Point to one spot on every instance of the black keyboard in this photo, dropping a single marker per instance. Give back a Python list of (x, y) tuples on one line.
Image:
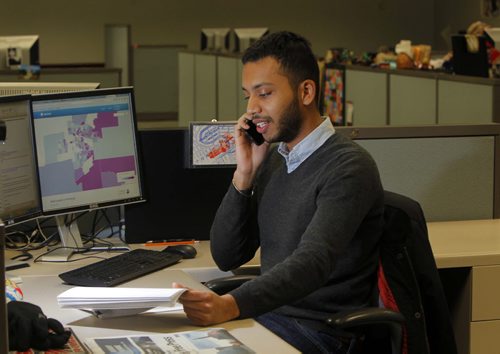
[(121, 268)]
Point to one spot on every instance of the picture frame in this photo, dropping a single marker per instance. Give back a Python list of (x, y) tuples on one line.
[(211, 144)]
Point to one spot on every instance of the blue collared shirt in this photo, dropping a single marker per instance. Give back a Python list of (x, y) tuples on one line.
[(307, 146)]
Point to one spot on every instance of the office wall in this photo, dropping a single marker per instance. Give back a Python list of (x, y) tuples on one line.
[(73, 31)]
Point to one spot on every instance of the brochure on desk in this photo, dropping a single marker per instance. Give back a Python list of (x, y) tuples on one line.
[(211, 340)]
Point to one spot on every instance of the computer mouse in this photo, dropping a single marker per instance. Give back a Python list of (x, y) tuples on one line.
[(186, 251)]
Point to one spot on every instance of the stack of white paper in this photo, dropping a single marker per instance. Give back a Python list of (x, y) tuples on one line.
[(97, 298)]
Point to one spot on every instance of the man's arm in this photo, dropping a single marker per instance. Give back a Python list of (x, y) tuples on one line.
[(234, 233)]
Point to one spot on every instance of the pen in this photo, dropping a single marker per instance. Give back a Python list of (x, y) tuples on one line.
[(153, 243)]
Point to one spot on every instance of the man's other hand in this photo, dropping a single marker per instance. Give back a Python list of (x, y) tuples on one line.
[(206, 308)]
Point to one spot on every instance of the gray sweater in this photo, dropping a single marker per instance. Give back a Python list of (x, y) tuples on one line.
[(318, 229)]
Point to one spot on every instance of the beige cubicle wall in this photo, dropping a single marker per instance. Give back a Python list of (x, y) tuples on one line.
[(453, 171), (414, 97), (107, 77), (155, 76), (209, 87)]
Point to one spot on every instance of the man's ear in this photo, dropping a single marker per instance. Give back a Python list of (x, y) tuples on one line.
[(307, 92)]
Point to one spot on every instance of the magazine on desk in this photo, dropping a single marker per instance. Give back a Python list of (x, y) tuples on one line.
[(210, 340)]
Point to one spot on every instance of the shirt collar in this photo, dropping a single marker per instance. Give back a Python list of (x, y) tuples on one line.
[(306, 146)]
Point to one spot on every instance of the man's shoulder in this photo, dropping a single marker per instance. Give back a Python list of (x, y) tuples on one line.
[(340, 146)]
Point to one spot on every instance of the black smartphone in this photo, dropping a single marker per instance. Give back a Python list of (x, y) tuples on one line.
[(253, 134)]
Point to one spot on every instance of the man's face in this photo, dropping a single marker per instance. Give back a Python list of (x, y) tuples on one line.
[(272, 102)]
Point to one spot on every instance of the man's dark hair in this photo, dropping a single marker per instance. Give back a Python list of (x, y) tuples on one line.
[(292, 51)]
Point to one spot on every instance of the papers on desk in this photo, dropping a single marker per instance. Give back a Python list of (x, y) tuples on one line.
[(211, 340), (113, 302)]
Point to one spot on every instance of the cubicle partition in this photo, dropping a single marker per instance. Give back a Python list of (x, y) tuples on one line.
[(453, 171), (181, 202)]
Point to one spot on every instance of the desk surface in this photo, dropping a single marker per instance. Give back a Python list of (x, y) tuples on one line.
[(41, 285), (202, 267), (454, 244)]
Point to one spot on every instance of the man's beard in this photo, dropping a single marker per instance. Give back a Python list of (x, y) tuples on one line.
[(290, 123)]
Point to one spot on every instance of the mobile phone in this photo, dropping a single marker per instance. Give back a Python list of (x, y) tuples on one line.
[(253, 134)]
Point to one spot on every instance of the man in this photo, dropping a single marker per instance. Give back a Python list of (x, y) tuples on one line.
[(313, 204)]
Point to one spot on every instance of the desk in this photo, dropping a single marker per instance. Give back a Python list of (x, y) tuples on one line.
[(41, 286), (468, 256)]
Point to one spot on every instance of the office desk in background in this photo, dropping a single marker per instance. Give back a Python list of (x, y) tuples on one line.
[(41, 285), (467, 254)]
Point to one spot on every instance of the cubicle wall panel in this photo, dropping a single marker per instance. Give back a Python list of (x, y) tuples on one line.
[(186, 88), (228, 91), (368, 93), (451, 177), (156, 75), (205, 89), (242, 103), (464, 103), (412, 100)]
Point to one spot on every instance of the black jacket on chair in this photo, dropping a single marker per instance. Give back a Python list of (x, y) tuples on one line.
[(410, 269)]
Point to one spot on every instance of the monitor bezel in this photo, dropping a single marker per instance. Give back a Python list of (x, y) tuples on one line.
[(30, 216), (90, 93)]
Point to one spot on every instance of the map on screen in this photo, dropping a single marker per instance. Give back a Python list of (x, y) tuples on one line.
[(85, 145)]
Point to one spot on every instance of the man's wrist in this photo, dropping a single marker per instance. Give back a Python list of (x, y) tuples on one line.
[(244, 192), (232, 309)]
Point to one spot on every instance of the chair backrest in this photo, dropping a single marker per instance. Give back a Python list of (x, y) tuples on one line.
[(411, 273)]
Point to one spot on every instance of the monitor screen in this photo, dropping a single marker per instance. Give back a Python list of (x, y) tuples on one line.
[(19, 50), (88, 156), (19, 191)]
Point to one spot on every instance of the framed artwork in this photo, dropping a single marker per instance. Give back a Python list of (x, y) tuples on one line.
[(334, 93)]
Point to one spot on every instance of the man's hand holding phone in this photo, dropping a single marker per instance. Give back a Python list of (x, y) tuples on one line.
[(249, 154)]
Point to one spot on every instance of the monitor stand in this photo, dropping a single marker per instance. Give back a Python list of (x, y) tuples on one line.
[(71, 241)]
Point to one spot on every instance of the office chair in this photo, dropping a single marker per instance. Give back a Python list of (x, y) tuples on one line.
[(416, 318)]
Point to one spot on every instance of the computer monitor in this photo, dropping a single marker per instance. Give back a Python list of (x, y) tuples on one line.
[(19, 50), (246, 36), (470, 63), (88, 155), (215, 39), (4, 337), (35, 88), (19, 189), (181, 201)]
